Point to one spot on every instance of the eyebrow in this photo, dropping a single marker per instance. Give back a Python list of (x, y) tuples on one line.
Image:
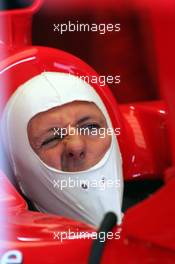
[(83, 119)]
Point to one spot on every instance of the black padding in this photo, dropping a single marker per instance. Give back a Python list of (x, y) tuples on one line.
[(15, 4), (109, 221)]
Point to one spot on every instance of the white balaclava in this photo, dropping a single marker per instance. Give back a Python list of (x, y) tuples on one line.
[(37, 180)]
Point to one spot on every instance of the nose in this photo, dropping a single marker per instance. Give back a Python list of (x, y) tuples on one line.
[(75, 148)]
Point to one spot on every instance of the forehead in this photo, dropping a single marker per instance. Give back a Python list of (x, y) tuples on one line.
[(66, 114)]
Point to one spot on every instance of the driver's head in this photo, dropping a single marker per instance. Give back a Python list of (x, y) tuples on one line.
[(64, 137), (62, 147)]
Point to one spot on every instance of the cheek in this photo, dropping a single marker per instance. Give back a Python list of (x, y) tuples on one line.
[(52, 157), (98, 147), (104, 144)]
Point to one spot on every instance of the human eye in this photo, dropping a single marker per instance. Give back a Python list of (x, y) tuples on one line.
[(51, 141), (89, 129), (91, 126)]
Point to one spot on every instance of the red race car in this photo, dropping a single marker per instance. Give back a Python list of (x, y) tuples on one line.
[(145, 117)]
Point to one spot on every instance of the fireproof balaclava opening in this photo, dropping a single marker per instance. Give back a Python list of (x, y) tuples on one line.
[(42, 184)]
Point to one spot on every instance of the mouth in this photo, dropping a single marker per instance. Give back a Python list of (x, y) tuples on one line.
[(75, 166)]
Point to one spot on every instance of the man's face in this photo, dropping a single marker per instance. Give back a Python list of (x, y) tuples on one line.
[(49, 136)]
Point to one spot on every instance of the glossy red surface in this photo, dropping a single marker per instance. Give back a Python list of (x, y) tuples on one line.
[(33, 232), (146, 139), (148, 231), (165, 56)]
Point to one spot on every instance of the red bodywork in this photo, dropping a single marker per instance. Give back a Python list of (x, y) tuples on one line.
[(146, 143)]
